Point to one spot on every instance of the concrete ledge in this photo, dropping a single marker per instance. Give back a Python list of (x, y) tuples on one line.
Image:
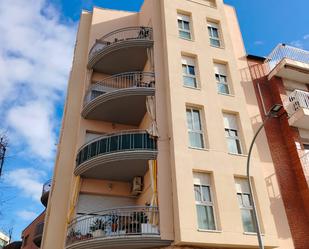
[(127, 242)]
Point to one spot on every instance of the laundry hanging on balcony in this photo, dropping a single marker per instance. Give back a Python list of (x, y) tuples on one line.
[(151, 109), (154, 219)]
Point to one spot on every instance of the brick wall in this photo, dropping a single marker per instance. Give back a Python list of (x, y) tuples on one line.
[(281, 138), (29, 231)]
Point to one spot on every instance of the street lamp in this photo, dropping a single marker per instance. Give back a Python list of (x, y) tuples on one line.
[(272, 113)]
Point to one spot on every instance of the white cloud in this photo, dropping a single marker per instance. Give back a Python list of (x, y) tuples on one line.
[(301, 43), (259, 43), (35, 59), (32, 121), (26, 215), (27, 180)]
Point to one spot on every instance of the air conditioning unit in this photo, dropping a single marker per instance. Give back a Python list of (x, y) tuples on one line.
[(137, 185)]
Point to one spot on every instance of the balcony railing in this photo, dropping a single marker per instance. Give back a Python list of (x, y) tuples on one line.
[(305, 163), (296, 100), (120, 35), (283, 51), (46, 187), (45, 192), (118, 142), (114, 223), (120, 81)]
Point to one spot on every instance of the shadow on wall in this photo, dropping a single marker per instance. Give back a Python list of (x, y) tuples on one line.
[(276, 206), (252, 73), (102, 28), (251, 100)]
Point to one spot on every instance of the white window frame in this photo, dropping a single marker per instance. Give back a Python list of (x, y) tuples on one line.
[(187, 61), (223, 77), (228, 131), (244, 207), (211, 26), (200, 132), (183, 18), (205, 203)]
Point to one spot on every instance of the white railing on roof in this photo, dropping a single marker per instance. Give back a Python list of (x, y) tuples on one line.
[(305, 163), (283, 51), (295, 101)]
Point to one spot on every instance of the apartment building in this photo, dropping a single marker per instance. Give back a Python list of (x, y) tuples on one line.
[(283, 78), (155, 135), (13, 245), (4, 240), (32, 234)]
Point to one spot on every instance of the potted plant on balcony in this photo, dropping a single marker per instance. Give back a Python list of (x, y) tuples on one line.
[(146, 227), (114, 222), (73, 235), (139, 222), (98, 228)]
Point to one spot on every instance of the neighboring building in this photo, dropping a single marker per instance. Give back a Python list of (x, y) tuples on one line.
[(4, 240), (14, 245), (156, 128), (32, 235), (283, 78)]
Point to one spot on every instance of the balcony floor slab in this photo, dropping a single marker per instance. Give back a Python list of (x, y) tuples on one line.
[(129, 242)]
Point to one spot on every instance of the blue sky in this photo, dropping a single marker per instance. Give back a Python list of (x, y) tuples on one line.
[(36, 45)]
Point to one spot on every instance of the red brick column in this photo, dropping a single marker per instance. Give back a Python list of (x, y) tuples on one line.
[(281, 138)]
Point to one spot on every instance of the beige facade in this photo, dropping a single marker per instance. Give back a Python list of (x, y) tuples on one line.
[(206, 115)]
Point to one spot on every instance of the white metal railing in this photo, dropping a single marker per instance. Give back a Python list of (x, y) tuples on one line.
[(114, 223), (283, 51), (295, 101), (46, 187), (305, 163), (120, 35), (120, 81)]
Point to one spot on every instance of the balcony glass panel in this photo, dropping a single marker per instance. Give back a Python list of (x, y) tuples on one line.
[(125, 141)]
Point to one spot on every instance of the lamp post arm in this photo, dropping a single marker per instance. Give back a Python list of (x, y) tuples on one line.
[(258, 229)]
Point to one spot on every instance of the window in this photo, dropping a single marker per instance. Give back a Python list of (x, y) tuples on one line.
[(184, 26), (195, 128), (2, 243), (221, 78), (213, 31), (25, 240), (90, 136), (189, 72), (231, 133), (204, 201), (245, 205)]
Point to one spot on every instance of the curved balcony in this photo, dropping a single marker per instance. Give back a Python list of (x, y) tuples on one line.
[(119, 156), (38, 234), (120, 98), (126, 227), (122, 50), (45, 192)]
